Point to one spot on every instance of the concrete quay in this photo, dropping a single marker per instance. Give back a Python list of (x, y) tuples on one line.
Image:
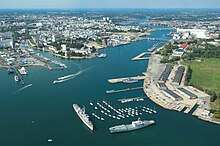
[(154, 71)]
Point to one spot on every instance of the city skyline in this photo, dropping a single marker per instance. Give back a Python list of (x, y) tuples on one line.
[(31, 4)]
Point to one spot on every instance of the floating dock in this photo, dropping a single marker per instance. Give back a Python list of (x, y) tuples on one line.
[(123, 90), (118, 80)]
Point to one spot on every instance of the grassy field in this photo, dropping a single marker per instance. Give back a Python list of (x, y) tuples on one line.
[(206, 74)]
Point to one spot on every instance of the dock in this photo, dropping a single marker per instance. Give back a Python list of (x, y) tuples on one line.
[(156, 39), (149, 52), (154, 47), (140, 56), (19, 75), (123, 90), (125, 100), (189, 108), (118, 80)]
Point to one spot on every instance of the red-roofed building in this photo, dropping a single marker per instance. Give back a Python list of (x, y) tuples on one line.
[(182, 46)]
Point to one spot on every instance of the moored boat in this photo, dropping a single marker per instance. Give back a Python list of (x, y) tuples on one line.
[(83, 116), (130, 127)]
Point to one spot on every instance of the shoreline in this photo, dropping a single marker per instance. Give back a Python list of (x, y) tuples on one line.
[(149, 90)]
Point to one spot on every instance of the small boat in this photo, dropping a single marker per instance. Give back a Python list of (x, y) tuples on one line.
[(102, 55), (50, 140), (10, 71), (96, 108), (16, 78), (91, 103)]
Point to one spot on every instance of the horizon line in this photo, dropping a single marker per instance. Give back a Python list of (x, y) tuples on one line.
[(109, 8)]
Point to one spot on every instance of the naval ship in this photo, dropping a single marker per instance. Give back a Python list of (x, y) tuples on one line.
[(83, 116), (133, 126), (129, 81)]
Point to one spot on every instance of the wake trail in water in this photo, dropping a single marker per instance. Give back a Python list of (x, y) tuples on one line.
[(67, 78), (71, 76), (23, 88)]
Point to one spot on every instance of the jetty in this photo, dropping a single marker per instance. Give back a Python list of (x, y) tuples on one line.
[(118, 80), (19, 75), (140, 56), (156, 39), (123, 90), (149, 52)]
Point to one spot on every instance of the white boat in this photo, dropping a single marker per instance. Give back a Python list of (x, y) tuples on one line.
[(16, 78), (50, 140), (23, 71), (102, 55), (65, 77)]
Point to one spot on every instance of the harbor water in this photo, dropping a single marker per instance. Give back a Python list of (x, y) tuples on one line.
[(31, 115)]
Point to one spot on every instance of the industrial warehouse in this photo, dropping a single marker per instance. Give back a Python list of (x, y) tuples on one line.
[(186, 93), (164, 76), (172, 95), (178, 76)]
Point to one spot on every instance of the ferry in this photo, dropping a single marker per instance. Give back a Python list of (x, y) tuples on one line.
[(83, 116)]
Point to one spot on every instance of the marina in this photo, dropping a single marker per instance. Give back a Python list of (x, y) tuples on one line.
[(104, 110)]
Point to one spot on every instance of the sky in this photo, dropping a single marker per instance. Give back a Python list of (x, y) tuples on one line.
[(29, 4)]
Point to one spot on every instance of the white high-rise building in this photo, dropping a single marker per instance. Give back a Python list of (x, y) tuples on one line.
[(53, 38)]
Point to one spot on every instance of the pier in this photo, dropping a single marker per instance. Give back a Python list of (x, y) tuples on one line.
[(19, 75), (123, 90), (140, 56), (154, 47), (118, 80), (157, 39), (125, 100), (149, 52)]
